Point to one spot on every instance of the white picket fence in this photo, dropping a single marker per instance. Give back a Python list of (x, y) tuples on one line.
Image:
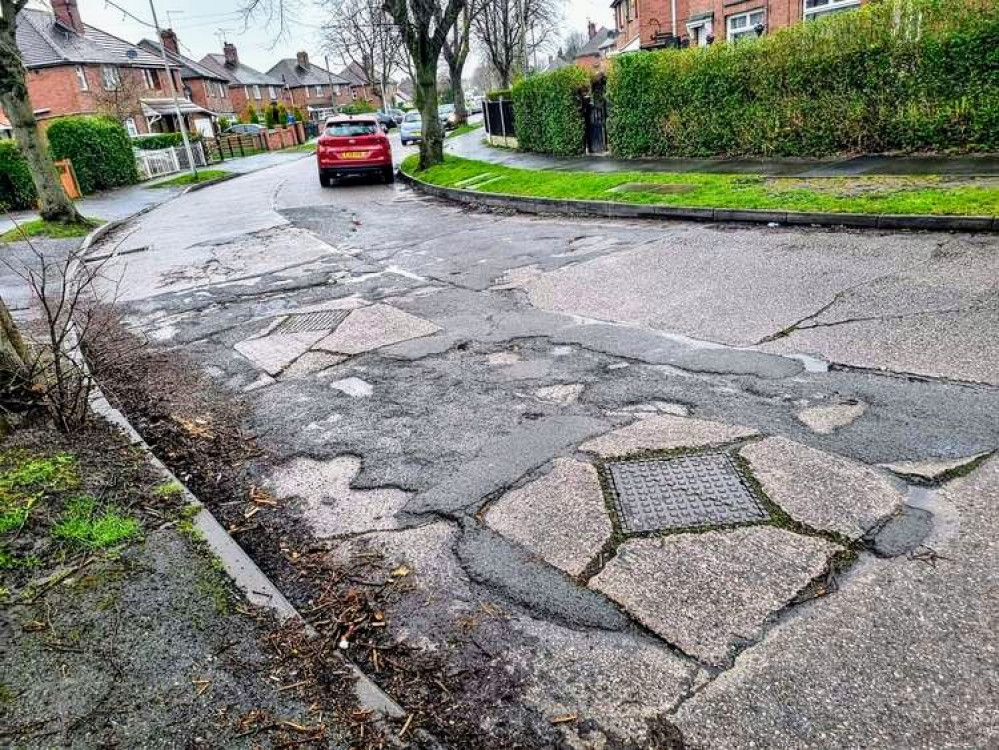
[(164, 161)]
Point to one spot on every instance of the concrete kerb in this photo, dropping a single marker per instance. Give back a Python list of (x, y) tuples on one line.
[(258, 589), (612, 210)]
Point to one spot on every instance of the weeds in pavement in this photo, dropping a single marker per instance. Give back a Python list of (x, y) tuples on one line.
[(86, 525)]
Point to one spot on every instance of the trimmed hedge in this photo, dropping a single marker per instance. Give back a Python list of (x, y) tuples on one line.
[(549, 113), (99, 148), (17, 191), (163, 140), (863, 81)]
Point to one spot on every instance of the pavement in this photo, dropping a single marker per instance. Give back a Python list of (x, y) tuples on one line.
[(731, 484), (114, 205), (473, 146)]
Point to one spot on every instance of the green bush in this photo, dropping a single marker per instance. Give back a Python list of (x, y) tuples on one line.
[(163, 140), (17, 191), (864, 81), (360, 107), (548, 112), (299, 117), (98, 147), (251, 116)]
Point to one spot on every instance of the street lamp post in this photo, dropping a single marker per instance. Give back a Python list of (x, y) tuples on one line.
[(173, 93)]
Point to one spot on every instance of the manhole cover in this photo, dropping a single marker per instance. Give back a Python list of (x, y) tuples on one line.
[(661, 188), (680, 493), (320, 321)]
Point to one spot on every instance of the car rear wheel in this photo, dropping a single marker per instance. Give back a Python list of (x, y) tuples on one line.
[(405, 142), (388, 174), (324, 180)]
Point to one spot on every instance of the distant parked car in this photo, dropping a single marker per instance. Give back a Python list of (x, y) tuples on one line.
[(385, 120), (397, 115), (245, 128), (411, 129), (474, 106), (353, 145), (447, 117)]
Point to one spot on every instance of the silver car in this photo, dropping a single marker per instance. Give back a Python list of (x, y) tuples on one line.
[(411, 129)]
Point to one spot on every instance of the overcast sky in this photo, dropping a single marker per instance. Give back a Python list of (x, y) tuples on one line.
[(201, 25)]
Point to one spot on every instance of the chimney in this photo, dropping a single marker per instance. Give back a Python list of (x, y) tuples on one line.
[(169, 39), (231, 56), (303, 59), (592, 28), (68, 14)]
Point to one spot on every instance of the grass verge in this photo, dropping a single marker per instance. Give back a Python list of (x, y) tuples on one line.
[(925, 194), (50, 229), (464, 129), (205, 175)]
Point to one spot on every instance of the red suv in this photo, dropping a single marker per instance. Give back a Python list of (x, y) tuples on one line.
[(353, 145)]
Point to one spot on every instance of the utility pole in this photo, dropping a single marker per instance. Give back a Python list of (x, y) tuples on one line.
[(173, 93), (329, 73), (524, 62)]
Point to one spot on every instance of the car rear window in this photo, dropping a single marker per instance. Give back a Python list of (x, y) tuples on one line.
[(351, 129), (412, 118)]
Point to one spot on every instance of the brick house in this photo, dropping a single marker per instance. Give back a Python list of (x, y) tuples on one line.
[(246, 85), (206, 88), (649, 24), (593, 55), (360, 89), (76, 69), (314, 90)]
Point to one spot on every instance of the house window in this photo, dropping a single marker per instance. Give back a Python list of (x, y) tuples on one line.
[(743, 25), (109, 75), (319, 90), (81, 76), (271, 92), (246, 91), (256, 91), (353, 93), (130, 126), (699, 31), (151, 77), (818, 8)]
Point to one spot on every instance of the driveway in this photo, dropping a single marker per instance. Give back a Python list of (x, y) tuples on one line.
[(650, 480)]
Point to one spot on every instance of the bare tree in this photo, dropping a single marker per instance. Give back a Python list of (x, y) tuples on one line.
[(456, 49), (55, 205), (121, 101), (359, 32), (572, 43), (511, 31)]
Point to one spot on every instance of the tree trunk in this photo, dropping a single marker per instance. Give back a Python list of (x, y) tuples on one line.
[(55, 205), (432, 146), (460, 111)]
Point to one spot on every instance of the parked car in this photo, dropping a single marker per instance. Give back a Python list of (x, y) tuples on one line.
[(385, 120), (474, 106), (397, 115), (245, 128), (354, 145), (411, 129), (446, 114)]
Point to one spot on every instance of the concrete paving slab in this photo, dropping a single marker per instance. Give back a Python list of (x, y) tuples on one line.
[(710, 593), (561, 517), (638, 679), (665, 432), (902, 656), (826, 419), (274, 353), (823, 491), (931, 469), (332, 507), (370, 328)]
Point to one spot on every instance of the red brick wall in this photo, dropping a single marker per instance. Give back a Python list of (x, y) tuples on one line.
[(205, 96), (627, 22)]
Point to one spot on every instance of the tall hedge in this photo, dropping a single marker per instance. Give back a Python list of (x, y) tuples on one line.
[(99, 148), (906, 75), (548, 112), (17, 191)]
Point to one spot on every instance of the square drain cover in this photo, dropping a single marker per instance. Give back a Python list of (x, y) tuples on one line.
[(683, 492), (309, 322)]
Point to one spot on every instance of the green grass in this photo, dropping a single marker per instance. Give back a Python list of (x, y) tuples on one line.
[(205, 175), (87, 526), (463, 130), (51, 229), (54, 473), (305, 148), (927, 194)]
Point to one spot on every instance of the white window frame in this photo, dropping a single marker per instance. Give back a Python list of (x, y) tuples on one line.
[(256, 92), (272, 92), (81, 77), (131, 127), (732, 33), (702, 30), (147, 76), (827, 7), (320, 91), (110, 77)]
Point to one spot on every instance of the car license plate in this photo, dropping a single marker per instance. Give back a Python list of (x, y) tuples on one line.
[(354, 154)]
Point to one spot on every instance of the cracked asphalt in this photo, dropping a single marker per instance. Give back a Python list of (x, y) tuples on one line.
[(453, 389)]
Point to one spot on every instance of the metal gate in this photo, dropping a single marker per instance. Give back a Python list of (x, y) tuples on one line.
[(595, 107)]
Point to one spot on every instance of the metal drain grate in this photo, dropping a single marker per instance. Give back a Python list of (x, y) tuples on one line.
[(682, 493), (309, 322)]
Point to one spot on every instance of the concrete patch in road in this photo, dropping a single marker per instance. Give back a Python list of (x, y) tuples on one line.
[(564, 393), (710, 593), (275, 352), (353, 387), (561, 517), (370, 328), (616, 680), (311, 363), (902, 533), (332, 507), (826, 419), (932, 469), (823, 491), (665, 432)]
